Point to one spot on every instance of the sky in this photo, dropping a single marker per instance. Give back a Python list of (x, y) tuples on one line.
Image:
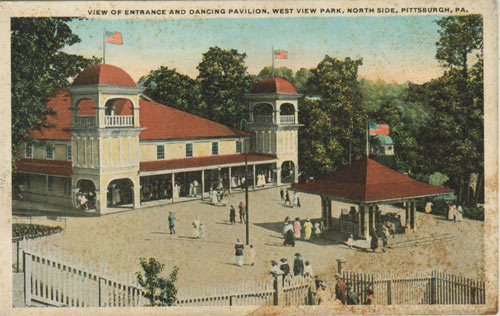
[(394, 49)]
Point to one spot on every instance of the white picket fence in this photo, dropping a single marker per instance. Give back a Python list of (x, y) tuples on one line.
[(56, 278)]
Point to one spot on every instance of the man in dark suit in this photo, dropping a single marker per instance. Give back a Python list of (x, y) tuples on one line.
[(298, 265)]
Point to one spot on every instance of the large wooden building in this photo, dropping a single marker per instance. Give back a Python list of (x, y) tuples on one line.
[(120, 149)]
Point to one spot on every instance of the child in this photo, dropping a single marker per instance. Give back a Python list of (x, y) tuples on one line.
[(350, 241)]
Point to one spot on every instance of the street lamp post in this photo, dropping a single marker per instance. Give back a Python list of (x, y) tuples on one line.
[(243, 127)]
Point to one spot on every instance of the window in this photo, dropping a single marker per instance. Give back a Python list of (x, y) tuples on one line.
[(67, 186), (238, 146), (50, 183), (68, 152), (28, 153), (49, 152), (160, 152), (189, 150), (215, 148)]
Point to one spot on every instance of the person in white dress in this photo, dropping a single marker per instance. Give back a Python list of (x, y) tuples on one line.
[(176, 191), (295, 199), (460, 212), (213, 197), (428, 207)]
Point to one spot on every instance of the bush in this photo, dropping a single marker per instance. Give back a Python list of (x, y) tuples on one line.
[(20, 231), (473, 212), (159, 291), (440, 207)]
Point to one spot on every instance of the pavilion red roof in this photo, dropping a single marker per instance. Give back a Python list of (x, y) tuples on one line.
[(53, 167), (366, 180), (205, 161)]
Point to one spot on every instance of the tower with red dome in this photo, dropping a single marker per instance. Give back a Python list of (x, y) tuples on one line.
[(274, 122), (105, 128)]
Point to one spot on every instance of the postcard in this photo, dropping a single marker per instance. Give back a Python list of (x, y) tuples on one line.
[(234, 157)]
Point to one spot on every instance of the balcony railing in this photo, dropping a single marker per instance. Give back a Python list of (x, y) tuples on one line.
[(85, 121), (119, 120), (287, 119), (262, 119)]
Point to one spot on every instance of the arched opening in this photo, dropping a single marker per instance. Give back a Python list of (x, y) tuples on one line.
[(85, 112), (263, 113), (120, 193), (287, 113), (85, 194), (287, 172), (119, 112)]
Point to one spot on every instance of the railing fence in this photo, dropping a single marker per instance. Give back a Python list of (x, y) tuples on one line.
[(412, 288)]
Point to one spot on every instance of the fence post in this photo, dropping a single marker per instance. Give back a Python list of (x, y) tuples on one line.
[(99, 291), (27, 278), (339, 265), (433, 288), (389, 292), (278, 289)]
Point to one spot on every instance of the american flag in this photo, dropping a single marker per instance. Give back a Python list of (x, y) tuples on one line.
[(280, 54), (378, 129), (114, 38)]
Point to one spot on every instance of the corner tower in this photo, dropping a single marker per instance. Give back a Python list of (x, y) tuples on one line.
[(105, 130), (274, 122)]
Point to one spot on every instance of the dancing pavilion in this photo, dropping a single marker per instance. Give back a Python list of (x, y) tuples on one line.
[(365, 184)]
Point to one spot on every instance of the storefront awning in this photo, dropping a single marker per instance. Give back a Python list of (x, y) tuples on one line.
[(200, 163), (42, 166)]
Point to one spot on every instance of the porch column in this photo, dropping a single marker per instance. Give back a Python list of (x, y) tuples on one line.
[(407, 213), (230, 180), (254, 176), (329, 208), (366, 230), (371, 212), (137, 196), (100, 201), (324, 212), (296, 175), (202, 183), (360, 220), (413, 225), (74, 191), (172, 179), (278, 176)]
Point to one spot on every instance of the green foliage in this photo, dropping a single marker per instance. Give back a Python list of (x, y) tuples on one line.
[(169, 87), (38, 68), (284, 72), (223, 82), (334, 123), (158, 290), (474, 212)]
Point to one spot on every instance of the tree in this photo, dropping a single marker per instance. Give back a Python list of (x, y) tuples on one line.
[(284, 72), (38, 68), (169, 87), (453, 140), (224, 81), (334, 129), (158, 290)]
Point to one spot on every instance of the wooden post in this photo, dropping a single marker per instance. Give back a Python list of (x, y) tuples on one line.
[(407, 213), (229, 180), (27, 260), (202, 184), (433, 288), (412, 215), (253, 170), (278, 289), (389, 292), (366, 231)]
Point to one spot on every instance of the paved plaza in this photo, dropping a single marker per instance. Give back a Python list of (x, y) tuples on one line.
[(119, 240)]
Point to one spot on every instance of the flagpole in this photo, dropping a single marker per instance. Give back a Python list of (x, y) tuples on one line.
[(367, 142), (272, 56), (103, 46)]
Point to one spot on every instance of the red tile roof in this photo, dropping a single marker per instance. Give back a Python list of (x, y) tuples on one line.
[(163, 122), (202, 161), (54, 167), (366, 180), (104, 74), (160, 121), (274, 85)]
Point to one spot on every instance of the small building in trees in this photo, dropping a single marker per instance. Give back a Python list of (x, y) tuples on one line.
[(381, 145), (110, 147)]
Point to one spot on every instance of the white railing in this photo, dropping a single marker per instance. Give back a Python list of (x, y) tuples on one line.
[(119, 120), (85, 121), (259, 119), (55, 278), (287, 119)]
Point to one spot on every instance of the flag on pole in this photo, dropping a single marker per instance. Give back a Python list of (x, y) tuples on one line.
[(280, 54), (378, 129), (114, 38)]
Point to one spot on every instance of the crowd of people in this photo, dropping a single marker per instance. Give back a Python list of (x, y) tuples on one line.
[(455, 212), (295, 230), (239, 254), (300, 268), (285, 196), (343, 294)]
